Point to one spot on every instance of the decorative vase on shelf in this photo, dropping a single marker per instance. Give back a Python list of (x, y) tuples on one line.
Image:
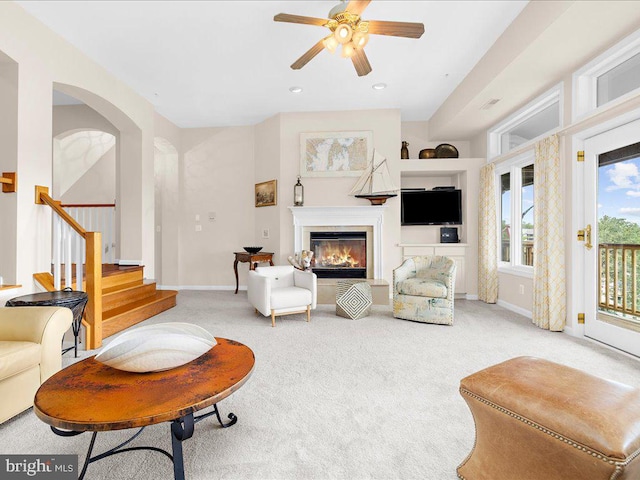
[(427, 153), (404, 151)]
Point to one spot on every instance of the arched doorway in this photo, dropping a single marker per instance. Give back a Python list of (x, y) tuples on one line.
[(134, 177)]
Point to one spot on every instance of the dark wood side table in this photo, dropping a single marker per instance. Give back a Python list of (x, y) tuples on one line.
[(253, 259), (74, 300)]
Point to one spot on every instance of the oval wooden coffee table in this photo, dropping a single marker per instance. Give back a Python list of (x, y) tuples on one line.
[(90, 396)]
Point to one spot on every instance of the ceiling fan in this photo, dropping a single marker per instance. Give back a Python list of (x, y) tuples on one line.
[(350, 31)]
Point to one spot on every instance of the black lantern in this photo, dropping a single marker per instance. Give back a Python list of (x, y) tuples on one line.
[(298, 193)]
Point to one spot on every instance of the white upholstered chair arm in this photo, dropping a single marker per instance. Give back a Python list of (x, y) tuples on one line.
[(259, 292), (43, 325), (309, 281)]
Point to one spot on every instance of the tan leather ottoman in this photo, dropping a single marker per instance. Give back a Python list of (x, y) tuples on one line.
[(538, 420)]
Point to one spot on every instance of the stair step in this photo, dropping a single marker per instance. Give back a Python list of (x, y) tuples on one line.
[(113, 279), (128, 293), (123, 286), (117, 319)]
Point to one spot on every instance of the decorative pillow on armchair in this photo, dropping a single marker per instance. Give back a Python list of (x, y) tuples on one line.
[(157, 347)]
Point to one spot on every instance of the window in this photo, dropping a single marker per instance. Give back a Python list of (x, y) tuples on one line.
[(609, 79), (618, 81), (517, 213), (528, 124)]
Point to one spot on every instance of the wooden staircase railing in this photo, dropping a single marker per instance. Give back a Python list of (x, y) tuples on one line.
[(9, 181), (99, 217), (64, 228)]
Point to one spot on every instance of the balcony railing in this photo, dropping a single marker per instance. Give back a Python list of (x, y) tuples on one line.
[(527, 252), (619, 278)]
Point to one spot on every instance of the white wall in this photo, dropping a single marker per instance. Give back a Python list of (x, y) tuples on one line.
[(8, 163), (216, 176), (96, 186), (70, 118), (167, 212), (267, 161), (76, 154)]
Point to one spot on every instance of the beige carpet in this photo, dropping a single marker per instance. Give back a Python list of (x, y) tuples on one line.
[(334, 398)]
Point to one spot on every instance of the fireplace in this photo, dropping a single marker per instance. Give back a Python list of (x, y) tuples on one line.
[(339, 254), (348, 219)]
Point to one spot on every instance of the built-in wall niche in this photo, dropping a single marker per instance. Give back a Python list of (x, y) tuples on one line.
[(430, 233), (429, 183)]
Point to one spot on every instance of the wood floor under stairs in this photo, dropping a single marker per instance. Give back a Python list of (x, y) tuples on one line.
[(127, 298)]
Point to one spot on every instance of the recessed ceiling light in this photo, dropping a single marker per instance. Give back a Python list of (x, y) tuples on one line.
[(379, 86), (295, 89)]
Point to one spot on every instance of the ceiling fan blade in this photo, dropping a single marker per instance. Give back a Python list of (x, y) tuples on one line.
[(285, 17), (308, 56), (396, 29), (361, 62), (357, 6)]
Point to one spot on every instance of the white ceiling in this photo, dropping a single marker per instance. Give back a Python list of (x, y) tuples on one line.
[(220, 63)]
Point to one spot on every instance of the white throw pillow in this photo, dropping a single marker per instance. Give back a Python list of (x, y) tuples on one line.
[(154, 348)]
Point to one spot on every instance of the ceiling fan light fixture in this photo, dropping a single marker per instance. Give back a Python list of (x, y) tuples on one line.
[(330, 43), (343, 33), (348, 50), (360, 39)]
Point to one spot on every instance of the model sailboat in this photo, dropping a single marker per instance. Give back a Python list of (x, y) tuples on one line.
[(375, 183)]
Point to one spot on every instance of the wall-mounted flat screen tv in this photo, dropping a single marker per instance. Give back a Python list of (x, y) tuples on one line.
[(431, 207)]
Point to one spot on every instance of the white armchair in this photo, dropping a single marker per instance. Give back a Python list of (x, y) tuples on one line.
[(282, 290)]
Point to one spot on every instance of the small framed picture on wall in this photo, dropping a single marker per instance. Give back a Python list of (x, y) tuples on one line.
[(266, 193)]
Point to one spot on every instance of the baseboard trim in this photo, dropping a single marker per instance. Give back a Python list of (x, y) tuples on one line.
[(471, 297), (201, 287), (515, 308)]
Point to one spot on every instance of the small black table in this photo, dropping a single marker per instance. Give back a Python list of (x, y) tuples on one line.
[(74, 300)]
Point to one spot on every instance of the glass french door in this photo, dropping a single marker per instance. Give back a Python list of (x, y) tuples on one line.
[(612, 237)]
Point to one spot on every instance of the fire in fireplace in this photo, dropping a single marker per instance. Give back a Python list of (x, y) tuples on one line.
[(339, 254)]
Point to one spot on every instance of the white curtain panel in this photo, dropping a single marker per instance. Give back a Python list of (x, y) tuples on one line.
[(549, 289), (488, 240)]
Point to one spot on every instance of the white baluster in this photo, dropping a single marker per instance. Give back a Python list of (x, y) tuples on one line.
[(57, 239), (68, 279), (103, 225), (111, 229), (79, 260)]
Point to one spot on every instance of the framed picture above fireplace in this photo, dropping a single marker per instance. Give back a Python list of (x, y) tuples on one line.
[(335, 154)]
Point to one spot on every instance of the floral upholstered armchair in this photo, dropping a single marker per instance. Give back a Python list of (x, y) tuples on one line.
[(423, 289)]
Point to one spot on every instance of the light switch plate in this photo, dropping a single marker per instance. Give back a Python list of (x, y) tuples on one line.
[(265, 233), (198, 228)]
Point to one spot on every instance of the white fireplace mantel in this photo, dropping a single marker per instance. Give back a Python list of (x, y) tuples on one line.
[(372, 216)]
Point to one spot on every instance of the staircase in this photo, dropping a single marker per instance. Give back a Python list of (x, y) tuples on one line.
[(127, 298)]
